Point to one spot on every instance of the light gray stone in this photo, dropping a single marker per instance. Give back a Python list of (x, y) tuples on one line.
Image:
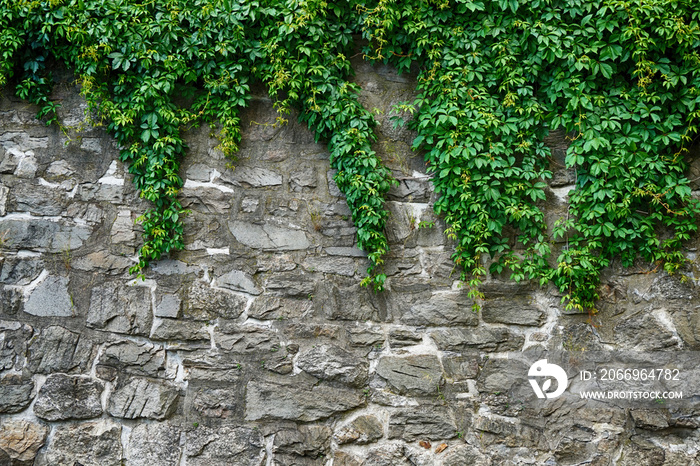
[(419, 375), (15, 393), (297, 399), (331, 264), (88, 444), (4, 192), (268, 237), (168, 306), (295, 284), (345, 251), (141, 398), (330, 362), (155, 444), (361, 430), (65, 397), (644, 332), (20, 441), (102, 262), (256, 177), (225, 445), (207, 303), (57, 349), (200, 172), (237, 280), (50, 299), (223, 403), (123, 228), (120, 309), (47, 235)]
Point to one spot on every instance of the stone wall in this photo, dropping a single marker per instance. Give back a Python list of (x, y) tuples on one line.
[(257, 346)]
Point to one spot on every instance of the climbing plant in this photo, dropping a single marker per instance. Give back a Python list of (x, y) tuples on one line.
[(495, 77)]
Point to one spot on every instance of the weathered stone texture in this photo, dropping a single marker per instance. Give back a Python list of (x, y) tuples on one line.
[(141, 398), (20, 441), (69, 397), (256, 344), (297, 400)]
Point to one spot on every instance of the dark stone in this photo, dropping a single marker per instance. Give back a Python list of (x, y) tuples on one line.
[(15, 393)]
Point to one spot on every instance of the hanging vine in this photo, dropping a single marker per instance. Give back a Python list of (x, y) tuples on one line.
[(621, 78)]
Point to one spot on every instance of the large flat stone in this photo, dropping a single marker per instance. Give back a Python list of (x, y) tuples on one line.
[(50, 298), (88, 444), (58, 349), (206, 303), (419, 375), (65, 397), (155, 444), (513, 310), (225, 445), (237, 280), (440, 310), (47, 235), (433, 423), (487, 339), (330, 362), (268, 237), (141, 398), (20, 441), (121, 309), (126, 356), (15, 393), (297, 399)]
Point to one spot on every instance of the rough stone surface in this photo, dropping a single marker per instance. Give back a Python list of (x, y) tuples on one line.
[(89, 444), (431, 424), (268, 236), (329, 362), (57, 349), (514, 310), (121, 310), (50, 299), (225, 445), (154, 444), (143, 359), (69, 397), (20, 441), (363, 429), (419, 375), (141, 398), (298, 400), (256, 344), (15, 393)]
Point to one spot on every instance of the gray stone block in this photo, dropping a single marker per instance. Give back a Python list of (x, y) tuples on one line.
[(64, 397), (419, 375)]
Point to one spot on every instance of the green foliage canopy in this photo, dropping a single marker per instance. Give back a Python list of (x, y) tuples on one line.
[(621, 78)]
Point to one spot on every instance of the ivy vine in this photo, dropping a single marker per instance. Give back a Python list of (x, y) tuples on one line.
[(620, 78)]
